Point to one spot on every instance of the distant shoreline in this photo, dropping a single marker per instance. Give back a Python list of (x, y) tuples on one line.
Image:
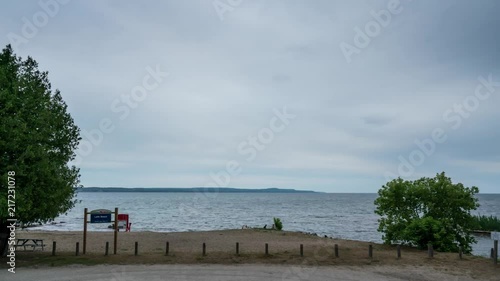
[(216, 190), (191, 190)]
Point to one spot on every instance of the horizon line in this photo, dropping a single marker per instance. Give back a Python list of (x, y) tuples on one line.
[(249, 188)]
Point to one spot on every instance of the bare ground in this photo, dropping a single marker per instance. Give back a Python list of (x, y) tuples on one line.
[(186, 248)]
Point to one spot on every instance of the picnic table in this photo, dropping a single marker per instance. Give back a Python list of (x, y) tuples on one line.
[(30, 243)]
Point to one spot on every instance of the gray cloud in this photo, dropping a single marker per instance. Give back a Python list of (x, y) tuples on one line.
[(353, 119)]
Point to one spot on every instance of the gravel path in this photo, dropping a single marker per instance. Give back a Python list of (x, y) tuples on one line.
[(228, 272)]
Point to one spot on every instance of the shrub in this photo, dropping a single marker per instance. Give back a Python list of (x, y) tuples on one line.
[(427, 230), (278, 224)]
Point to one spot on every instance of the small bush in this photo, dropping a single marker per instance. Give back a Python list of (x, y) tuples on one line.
[(421, 232), (278, 224)]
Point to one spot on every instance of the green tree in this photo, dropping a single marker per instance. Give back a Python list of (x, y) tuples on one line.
[(427, 210), (37, 141)]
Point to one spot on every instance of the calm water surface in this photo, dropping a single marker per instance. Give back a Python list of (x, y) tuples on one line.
[(347, 216)]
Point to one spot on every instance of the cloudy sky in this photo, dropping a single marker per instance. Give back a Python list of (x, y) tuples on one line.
[(335, 96)]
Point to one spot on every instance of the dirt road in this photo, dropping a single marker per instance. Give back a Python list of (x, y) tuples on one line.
[(229, 272)]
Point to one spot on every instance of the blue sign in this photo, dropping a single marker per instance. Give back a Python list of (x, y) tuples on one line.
[(100, 218)]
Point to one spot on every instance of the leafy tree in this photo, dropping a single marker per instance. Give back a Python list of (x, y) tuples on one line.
[(427, 210), (37, 141)]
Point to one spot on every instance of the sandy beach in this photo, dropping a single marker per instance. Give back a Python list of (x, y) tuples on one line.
[(284, 248), (251, 241)]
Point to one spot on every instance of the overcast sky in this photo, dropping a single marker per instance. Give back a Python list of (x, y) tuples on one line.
[(335, 96)]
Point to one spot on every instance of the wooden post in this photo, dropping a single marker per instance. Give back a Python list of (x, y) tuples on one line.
[(460, 252), (53, 248), (495, 252), (116, 232), (492, 253), (301, 250), (370, 251), (237, 248), (136, 251), (399, 251), (336, 250), (77, 248), (430, 250), (267, 249), (204, 249), (166, 249), (84, 250), (107, 249)]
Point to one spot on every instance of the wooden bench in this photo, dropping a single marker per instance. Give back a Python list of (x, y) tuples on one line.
[(30, 243)]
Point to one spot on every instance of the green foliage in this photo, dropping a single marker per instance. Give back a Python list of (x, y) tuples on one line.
[(486, 223), (427, 210), (37, 140), (429, 230), (278, 224)]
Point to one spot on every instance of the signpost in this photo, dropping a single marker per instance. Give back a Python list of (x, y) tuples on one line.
[(100, 216)]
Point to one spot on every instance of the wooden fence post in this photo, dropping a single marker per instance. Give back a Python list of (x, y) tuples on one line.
[(107, 249), (84, 250), (237, 248), (495, 252), (460, 252), (77, 250), (430, 250), (399, 251), (204, 249), (336, 250), (53, 248), (267, 249), (301, 250), (370, 251), (136, 250), (167, 246), (115, 236)]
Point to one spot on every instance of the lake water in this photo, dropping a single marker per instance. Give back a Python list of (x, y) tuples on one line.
[(347, 216)]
